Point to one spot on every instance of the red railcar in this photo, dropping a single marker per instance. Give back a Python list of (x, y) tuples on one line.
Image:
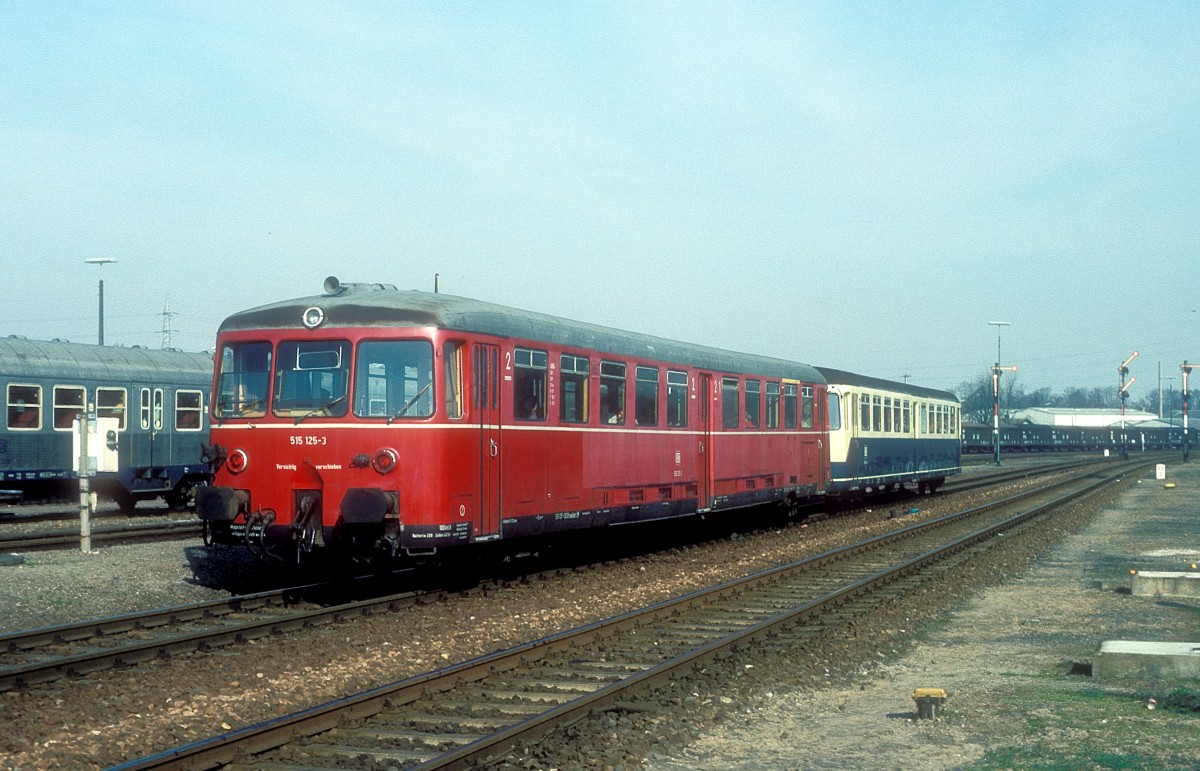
[(373, 418)]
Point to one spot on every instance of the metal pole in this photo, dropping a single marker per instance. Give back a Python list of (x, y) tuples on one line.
[(1187, 368), (85, 494), (101, 340)]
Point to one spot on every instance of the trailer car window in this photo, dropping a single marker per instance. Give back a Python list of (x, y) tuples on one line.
[(110, 403), (573, 401), (24, 407), (677, 403), (835, 411), (807, 405), (729, 402), (529, 384), (646, 396), (68, 402), (612, 393), (393, 379)]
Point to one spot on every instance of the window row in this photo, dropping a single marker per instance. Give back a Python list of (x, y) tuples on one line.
[(744, 402), (895, 415), (25, 407)]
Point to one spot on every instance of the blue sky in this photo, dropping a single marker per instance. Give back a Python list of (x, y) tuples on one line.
[(855, 185)]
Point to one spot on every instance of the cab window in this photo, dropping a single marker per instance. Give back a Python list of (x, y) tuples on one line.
[(393, 379)]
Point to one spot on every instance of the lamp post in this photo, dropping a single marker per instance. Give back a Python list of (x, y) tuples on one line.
[(999, 325), (101, 261)]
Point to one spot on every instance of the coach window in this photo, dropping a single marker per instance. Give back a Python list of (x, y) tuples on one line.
[(835, 411), (188, 407), (807, 404), (612, 393), (245, 369), (24, 407), (573, 396), (312, 377), (729, 402), (68, 402), (924, 425), (645, 408), (452, 353), (677, 402), (393, 379), (110, 403), (877, 412), (790, 406), (887, 414), (772, 405), (905, 414), (144, 409), (864, 406), (753, 402), (529, 383), (159, 407)]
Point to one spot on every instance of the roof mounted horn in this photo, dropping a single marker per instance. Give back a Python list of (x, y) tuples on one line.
[(333, 286)]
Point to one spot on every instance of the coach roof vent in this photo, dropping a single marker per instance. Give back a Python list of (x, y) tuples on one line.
[(334, 287)]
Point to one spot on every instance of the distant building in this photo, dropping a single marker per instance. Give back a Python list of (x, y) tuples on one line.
[(1066, 416)]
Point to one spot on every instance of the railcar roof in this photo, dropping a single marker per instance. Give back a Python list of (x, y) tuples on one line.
[(78, 362), (356, 305), (841, 377)]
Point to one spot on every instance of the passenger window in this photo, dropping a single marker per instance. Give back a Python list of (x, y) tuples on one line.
[(189, 408), (612, 393), (887, 414), (790, 408), (905, 409), (835, 411), (772, 405), (452, 353), (924, 419), (864, 403), (24, 407), (573, 401), (677, 402), (646, 397), (806, 407), (110, 403), (68, 403), (753, 402), (729, 402), (144, 409), (877, 413), (159, 406), (529, 384)]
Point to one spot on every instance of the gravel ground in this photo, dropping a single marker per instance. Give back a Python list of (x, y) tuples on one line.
[(110, 717)]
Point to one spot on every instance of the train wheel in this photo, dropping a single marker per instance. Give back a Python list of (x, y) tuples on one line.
[(179, 498)]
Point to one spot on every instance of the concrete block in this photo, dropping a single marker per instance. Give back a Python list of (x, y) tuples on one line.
[(1151, 583), (1137, 660)]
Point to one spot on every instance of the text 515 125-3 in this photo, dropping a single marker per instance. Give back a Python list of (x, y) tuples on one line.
[(307, 441)]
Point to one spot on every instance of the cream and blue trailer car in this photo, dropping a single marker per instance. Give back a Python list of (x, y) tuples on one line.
[(886, 436)]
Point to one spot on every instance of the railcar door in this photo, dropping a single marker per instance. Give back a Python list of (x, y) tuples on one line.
[(486, 382), (705, 454)]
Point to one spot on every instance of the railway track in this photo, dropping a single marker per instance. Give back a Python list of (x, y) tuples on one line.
[(476, 711), (30, 657)]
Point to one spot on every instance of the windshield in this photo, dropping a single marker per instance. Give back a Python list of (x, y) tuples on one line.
[(311, 378), (394, 379), (245, 370)]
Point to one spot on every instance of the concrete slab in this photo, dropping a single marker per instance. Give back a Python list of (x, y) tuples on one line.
[(1176, 584), (1138, 660)]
